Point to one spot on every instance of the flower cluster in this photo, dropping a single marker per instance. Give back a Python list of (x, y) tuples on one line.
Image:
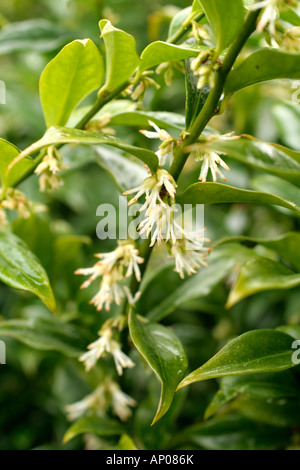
[(160, 223), (205, 66), (14, 200), (267, 21), (48, 170), (107, 344), (145, 81), (209, 157), (108, 394), (113, 269), (165, 150), (101, 124)]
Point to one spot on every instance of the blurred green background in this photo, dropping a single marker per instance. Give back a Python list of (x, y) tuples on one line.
[(36, 385)]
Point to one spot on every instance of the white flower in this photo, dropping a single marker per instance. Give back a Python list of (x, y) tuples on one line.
[(269, 15), (110, 291), (121, 360), (204, 152), (113, 268), (167, 146), (152, 187), (189, 255), (80, 408), (210, 161), (106, 345), (106, 395), (160, 223), (121, 402), (97, 349), (49, 168)]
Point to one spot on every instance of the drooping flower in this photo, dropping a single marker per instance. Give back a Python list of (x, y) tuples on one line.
[(48, 170), (165, 149), (113, 269), (269, 15), (121, 402), (204, 152), (106, 344), (152, 187), (107, 395), (190, 253)]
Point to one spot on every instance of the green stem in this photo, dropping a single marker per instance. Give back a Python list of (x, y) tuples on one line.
[(211, 104), (187, 25)]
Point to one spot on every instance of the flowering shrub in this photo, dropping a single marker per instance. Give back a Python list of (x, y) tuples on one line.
[(171, 300)]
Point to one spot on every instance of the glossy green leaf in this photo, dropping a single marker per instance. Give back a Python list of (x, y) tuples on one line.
[(225, 18), (20, 269), (216, 193), (64, 135), (234, 432), (121, 55), (265, 64), (286, 246), (100, 426), (253, 352), (260, 274), (38, 35), (272, 158), (74, 73), (221, 261), (164, 353), (46, 334), (158, 52), (8, 153)]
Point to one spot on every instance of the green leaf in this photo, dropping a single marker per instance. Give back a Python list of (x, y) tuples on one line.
[(225, 18), (290, 16), (125, 173), (121, 55), (286, 246), (261, 389), (64, 135), (272, 158), (46, 334), (216, 193), (287, 119), (158, 52), (277, 186), (100, 426), (179, 19), (262, 65), (20, 269), (260, 274), (36, 35), (220, 262), (195, 97), (292, 330), (74, 73), (8, 153), (126, 443), (234, 432), (165, 355), (253, 352)]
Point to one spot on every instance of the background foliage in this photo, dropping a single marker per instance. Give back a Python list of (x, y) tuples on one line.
[(42, 374)]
